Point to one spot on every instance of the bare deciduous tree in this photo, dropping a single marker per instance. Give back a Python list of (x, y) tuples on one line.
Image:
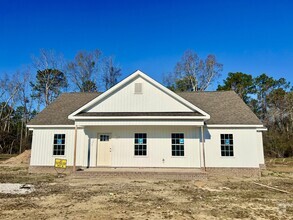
[(84, 69), (50, 79), (48, 59), (198, 73), (49, 84), (111, 72)]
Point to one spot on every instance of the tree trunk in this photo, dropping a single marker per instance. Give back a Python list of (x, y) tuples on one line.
[(21, 136)]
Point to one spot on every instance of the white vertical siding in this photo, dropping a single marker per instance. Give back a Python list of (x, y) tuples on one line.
[(42, 146), (158, 146), (151, 99), (248, 148), (246, 153), (259, 144)]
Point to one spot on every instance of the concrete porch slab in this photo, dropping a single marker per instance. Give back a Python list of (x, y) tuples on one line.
[(142, 169), (144, 173)]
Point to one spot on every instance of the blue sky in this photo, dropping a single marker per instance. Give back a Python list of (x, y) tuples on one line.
[(249, 36)]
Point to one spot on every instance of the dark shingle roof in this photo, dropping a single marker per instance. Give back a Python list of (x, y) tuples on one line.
[(58, 111), (223, 107)]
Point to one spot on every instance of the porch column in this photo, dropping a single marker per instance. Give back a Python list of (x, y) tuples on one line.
[(203, 147), (75, 144)]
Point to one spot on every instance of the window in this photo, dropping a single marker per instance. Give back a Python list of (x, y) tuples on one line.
[(59, 144), (140, 144), (104, 137), (178, 144), (227, 145)]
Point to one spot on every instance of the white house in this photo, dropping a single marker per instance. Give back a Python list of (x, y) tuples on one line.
[(140, 123)]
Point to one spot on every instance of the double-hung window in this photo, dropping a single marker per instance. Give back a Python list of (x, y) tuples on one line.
[(59, 144), (177, 144), (140, 144), (227, 145)]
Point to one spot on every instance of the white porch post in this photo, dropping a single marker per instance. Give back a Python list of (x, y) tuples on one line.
[(203, 148), (75, 145)]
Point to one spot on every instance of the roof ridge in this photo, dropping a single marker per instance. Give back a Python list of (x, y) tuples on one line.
[(81, 93), (197, 92)]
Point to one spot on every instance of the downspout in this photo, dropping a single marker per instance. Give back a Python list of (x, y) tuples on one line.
[(203, 148), (75, 144)]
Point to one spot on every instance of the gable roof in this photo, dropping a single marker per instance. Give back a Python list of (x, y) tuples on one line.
[(57, 112), (224, 108), (128, 79)]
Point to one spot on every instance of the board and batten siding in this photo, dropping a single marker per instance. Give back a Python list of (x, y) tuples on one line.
[(151, 99), (247, 148), (259, 142), (42, 146), (159, 147)]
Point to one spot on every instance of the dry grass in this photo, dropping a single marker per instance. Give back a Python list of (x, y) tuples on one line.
[(4, 157), (76, 197)]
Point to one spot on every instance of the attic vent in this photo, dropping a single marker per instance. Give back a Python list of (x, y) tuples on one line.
[(137, 88)]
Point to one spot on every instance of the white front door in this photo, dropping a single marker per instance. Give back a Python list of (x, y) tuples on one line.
[(104, 150)]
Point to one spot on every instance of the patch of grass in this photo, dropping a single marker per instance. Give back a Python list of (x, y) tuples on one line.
[(20, 175), (6, 156), (19, 204)]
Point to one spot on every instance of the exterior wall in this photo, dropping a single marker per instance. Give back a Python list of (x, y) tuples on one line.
[(158, 146), (151, 100), (259, 142), (247, 148), (42, 146)]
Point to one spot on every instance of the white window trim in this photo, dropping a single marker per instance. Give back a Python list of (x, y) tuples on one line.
[(64, 155), (147, 148), (233, 146), (183, 144)]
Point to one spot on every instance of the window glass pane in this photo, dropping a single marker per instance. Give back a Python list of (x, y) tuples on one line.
[(59, 144), (227, 145), (140, 141), (177, 144)]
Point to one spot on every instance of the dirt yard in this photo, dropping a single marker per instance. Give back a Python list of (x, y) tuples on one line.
[(140, 197)]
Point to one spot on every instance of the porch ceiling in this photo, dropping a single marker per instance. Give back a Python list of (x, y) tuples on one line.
[(150, 122), (101, 114)]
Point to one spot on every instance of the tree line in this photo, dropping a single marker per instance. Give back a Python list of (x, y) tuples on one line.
[(269, 98), (24, 93)]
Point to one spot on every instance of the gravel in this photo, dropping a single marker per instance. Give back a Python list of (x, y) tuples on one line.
[(16, 188)]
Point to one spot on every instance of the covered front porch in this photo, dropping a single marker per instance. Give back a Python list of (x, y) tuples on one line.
[(122, 147)]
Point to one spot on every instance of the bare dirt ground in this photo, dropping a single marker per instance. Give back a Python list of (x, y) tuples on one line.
[(144, 197)]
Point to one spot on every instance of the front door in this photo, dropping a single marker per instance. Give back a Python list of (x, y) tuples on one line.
[(104, 150)]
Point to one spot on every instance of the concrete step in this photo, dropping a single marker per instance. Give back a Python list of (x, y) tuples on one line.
[(144, 173)]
